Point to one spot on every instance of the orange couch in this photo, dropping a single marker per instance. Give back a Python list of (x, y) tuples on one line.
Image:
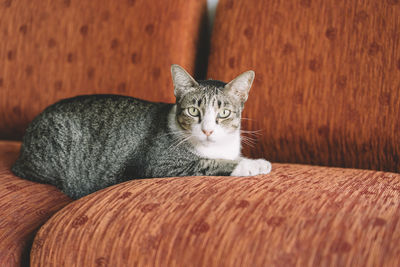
[(326, 93), (56, 49)]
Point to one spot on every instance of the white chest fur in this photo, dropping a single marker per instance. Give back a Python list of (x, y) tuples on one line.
[(228, 149)]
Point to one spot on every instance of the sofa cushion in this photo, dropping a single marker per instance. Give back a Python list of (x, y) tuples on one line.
[(327, 81), (24, 207), (296, 216), (56, 49)]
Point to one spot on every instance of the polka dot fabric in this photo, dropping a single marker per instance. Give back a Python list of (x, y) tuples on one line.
[(24, 207), (51, 50), (298, 215), (327, 86)]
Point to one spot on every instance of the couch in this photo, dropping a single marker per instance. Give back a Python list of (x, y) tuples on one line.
[(325, 104)]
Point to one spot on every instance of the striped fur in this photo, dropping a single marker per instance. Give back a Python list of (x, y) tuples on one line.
[(87, 143)]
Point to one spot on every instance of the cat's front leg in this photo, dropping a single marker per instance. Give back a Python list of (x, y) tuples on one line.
[(250, 167)]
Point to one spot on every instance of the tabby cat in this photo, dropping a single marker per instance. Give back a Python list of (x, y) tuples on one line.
[(89, 142)]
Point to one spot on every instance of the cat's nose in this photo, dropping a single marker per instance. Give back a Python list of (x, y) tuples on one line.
[(208, 133)]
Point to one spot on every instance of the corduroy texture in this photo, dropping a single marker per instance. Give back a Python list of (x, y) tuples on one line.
[(296, 216), (56, 49), (24, 207), (327, 86)]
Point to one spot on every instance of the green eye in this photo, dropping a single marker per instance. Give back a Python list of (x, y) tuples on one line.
[(193, 112), (225, 113)]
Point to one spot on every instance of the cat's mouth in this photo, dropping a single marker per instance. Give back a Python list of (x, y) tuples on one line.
[(209, 140)]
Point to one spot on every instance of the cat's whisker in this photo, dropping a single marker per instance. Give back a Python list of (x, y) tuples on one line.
[(179, 137), (173, 133), (252, 131), (176, 139), (255, 132), (247, 119), (249, 140), (253, 135), (176, 144), (246, 138), (247, 143)]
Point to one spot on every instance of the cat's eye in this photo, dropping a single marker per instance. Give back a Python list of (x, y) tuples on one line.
[(224, 113), (193, 112)]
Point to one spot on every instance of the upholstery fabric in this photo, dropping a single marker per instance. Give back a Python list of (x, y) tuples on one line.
[(327, 86), (298, 215), (24, 207), (51, 50)]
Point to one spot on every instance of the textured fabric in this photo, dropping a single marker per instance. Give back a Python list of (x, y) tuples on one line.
[(327, 86), (296, 216), (24, 207), (56, 49)]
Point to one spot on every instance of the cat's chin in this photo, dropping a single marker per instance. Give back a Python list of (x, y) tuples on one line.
[(205, 142), (209, 142)]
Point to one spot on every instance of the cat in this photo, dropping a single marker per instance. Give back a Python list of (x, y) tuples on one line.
[(86, 143)]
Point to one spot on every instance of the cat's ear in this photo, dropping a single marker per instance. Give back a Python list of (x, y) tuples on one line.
[(182, 80), (240, 86)]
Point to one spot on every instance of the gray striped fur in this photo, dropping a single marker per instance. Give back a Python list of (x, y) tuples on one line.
[(87, 143)]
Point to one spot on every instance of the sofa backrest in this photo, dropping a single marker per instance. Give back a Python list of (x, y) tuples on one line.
[(51, 50), (327, 86)]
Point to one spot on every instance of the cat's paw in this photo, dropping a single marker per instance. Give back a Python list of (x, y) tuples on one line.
[(250, 167)]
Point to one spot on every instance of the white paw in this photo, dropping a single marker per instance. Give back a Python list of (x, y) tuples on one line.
[(250, 167)]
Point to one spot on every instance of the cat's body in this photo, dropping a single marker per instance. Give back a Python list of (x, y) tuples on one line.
[(87, 143)]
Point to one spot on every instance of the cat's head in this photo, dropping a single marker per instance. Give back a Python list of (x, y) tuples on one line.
[(210, 110)]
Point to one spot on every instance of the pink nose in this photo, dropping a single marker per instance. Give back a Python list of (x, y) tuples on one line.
[(208, 133)]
